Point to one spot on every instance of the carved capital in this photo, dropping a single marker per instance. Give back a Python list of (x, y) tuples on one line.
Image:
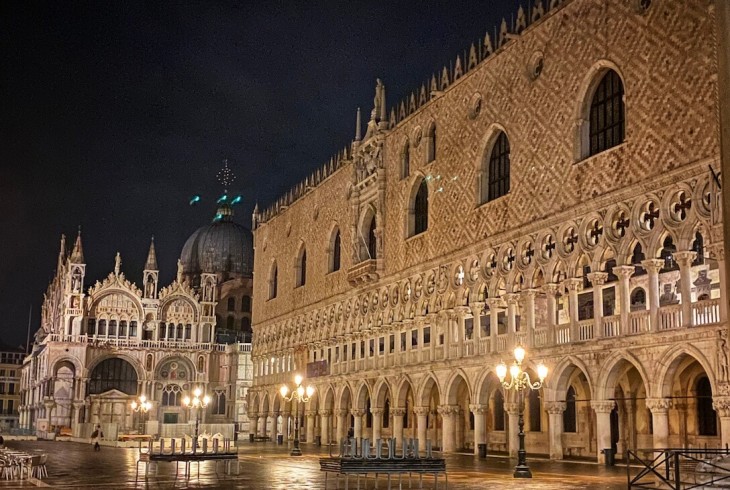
[(495, 303), (602, 406), (377, 411), (551, 288), (658, 405), (357, 413), (310, 413), (652, 266), (685, 258), (477, 307), (717, 251), (342, 412), (325, 413), (624, 271), (398, 412), (512, 408), (422, 410), (479, 409), (573, 284), (721, 406), (598, 278), (555, 407), (511, 298), (447, 409)]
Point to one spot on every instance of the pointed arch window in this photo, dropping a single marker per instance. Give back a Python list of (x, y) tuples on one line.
[(231, 304), (246, 304), (497, 171), (667, 254), (302, 268), (405, 161), (698, 246), (706, 415), (498, 410), (372, 241), (273, 281), (218, 405), (607, 118), (431, 144), (569, 419), (419, 215), (335, 251)]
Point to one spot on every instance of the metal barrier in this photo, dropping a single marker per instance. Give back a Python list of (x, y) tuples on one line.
[(679, 469)]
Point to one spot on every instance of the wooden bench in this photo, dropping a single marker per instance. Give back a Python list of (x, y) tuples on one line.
[(384, 466)]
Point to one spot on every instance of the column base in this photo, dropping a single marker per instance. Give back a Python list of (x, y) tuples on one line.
[(295, 450), (522, 471)]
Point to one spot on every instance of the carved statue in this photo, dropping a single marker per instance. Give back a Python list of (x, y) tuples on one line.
[(76, 281), (378, 100), (722, 360), (117, 264), (179, 271), (150, 287)]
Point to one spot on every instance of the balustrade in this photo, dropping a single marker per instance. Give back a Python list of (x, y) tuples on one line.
[(638, 322), (130, 342), (562, 334), (484, 345), (670, 317), (541, 337), (585, 329), (706, 312), (611, 325), (469, 348)]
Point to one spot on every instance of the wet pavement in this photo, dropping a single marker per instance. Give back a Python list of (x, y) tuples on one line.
[(266, 466)]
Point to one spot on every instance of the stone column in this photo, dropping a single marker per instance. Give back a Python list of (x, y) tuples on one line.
[(285, 418), (422, 415), (310, 425), (721, 404), (341, 424), (528, 297), (325, 426), (551, 291), (659, 408), (494, 305), (476, 312), (685, 259), (573, 285), (377, 422), (603, 410), (624, 273), (598, 279), (449, 414), (480, 425), (511, 299), (398, 414), (555, 428), (513, 428), (652, 267), (357, 415)]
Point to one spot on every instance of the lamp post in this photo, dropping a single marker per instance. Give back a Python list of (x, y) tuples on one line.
[(196, 403), (298, 394), (141, 406), (519, 380)]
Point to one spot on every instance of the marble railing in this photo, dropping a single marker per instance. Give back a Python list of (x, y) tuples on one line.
[(148, 344)]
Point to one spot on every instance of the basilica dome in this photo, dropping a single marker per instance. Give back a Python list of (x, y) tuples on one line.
[(223, 247)]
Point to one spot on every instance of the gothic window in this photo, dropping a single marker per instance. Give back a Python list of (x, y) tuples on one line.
[(301, 268), (419, 214), (246, 304), (273, 281), (335, 251), (91, 326), (698, 246), (171, 396), (113, 374), (231, 304), (636, 257), (368, 415), (386, 414), (163, 331), (405, 161), (569, 415), (112, 328), (535, 411), (638, 299), (497, 172), (123, 328), (188, 331), (101, 330), (201, 364), (706, 415), (148, 362), (431, 144), (372, 241), (667, 254), (218, 403), (607, 121), (229, 322), (498, 410)]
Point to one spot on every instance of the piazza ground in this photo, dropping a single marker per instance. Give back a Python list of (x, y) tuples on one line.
[(268, 466)]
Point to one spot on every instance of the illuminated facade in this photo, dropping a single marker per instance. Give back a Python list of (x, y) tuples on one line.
[(555, 188)]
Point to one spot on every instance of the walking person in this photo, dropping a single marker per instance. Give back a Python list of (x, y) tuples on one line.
[(96, 436)]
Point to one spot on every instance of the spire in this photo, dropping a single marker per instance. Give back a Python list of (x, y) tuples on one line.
[(151, 264), (77, 256), (62, 252), (358, 131)]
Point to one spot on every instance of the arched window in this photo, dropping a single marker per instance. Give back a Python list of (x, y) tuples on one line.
[(498, 411), (638, 299), (419, 215), (372, 241), (667, 254), (569, 419), (91, 326), (171, 396), (535, 411), (102, 328), (698, 246), (497, 174), (218, 403), (386, 414), (706, 415), (113, 374), (229, 322), (301, 269), (123, 328), (245, 324), (246, 304), (636, 258), (335, 251), (112, 328), (431, 144), (273, 281), (607, 117), (231, 304), (405, 161)]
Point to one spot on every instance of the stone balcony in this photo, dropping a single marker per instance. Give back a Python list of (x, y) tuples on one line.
[(363, 273)]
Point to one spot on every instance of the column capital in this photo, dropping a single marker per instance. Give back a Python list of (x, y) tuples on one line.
[(377, 411), (512, 408), (325, 413), (511, 298), (477, 307), (685, 258), (479, 409), (555, 407), (721, 404), (551, 288), (495, 303), (652, 265), (529, 293), (716, 251), (447, 409), (602, 406), (357, 412), (573, 284), (658, 405), (422, 410), (342, 412), (310, 413), (598, 278), (397, 412), (624, 271)]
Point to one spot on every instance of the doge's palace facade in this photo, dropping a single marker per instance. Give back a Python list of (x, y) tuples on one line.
[(557, 188)]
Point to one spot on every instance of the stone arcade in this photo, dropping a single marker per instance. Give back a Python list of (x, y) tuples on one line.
[(557, 189)]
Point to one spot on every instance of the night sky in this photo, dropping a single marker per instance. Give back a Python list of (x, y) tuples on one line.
[(114, 114)]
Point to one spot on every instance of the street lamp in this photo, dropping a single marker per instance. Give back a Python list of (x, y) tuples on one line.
[(196, 403), (298, 394), (519, 380), (141, 407)]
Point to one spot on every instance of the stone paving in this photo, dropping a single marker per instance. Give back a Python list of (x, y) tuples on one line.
[(268, 466)]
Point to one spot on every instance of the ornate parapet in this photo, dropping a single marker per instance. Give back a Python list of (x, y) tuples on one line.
[(363, 273)]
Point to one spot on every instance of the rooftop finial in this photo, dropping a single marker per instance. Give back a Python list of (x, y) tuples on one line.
[(117, 264), (358, 130), (151, 264), (77, 256)]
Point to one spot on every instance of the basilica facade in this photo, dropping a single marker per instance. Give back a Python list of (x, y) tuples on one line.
[(100, 348), (555, 188)]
